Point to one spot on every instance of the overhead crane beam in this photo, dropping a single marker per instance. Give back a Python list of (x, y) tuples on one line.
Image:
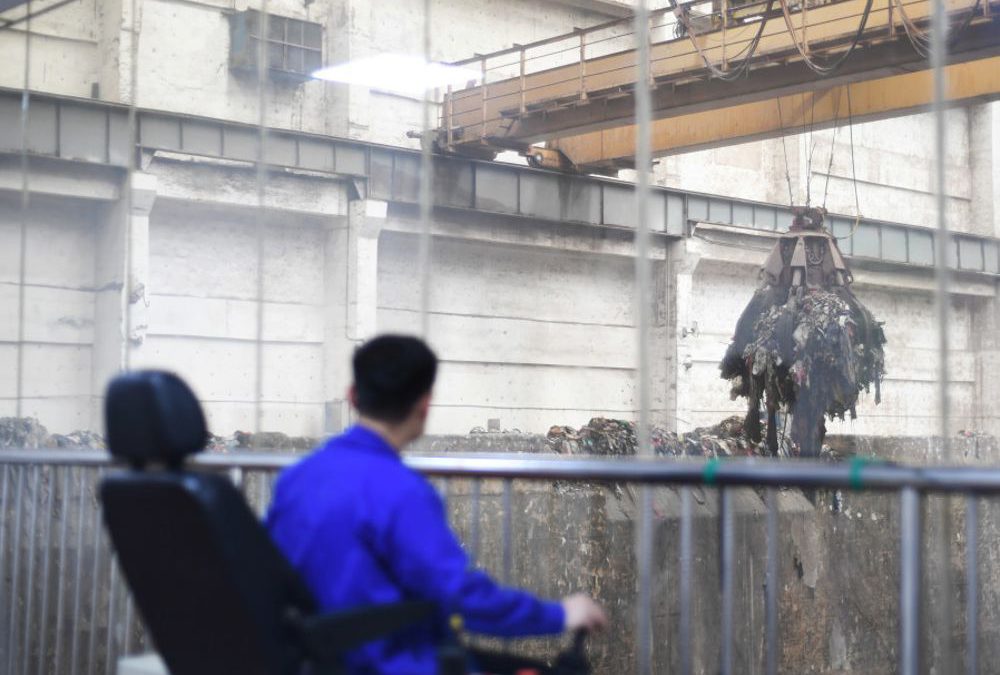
[(868, 100), (589, 104)]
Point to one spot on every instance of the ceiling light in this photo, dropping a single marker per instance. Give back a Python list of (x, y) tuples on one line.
[(398, 73)]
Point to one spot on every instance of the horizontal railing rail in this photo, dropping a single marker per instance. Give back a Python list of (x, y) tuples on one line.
[(856, 473)]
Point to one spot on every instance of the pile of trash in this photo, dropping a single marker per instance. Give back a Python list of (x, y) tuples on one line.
[(610, 437), (822, 343), (264, 440), (29, 433), (812, 343), (22, 432)]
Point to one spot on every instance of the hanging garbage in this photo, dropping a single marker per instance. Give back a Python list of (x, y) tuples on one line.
[(804, 345)]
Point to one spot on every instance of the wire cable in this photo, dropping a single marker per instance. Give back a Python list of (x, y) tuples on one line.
[(751, 48), (784, 148), (833, 145), (854, 172), (818, 68)]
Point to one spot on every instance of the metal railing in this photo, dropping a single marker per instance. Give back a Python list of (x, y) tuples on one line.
[(64, 607)]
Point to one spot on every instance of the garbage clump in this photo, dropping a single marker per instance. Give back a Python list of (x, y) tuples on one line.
[(804, 345), (22, 432), (611, 437), (29, 433)]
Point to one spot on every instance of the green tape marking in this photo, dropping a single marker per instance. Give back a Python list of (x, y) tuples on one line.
[(857, 464), (711, 468)]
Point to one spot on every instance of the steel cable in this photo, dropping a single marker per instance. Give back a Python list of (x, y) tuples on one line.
[(816, 67)]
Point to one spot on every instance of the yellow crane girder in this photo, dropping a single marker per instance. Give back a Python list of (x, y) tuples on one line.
[(867, 100)]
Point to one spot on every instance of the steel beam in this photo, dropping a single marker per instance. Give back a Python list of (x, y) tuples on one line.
[(67, 133), (881, 98), (550, 103)]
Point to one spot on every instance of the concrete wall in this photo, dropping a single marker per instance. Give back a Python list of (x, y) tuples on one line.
[(66, 49), (59, 273), (530, 336), (892, 163)]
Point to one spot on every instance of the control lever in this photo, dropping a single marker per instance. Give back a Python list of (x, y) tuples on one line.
[(573, 661)]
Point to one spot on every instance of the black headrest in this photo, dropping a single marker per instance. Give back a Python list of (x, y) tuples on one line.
[(153, 416)]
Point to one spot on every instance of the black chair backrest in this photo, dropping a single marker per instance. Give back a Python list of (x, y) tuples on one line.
[(212, 588)]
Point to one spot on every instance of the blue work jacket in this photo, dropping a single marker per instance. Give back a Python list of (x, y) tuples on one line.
[(362, 529)]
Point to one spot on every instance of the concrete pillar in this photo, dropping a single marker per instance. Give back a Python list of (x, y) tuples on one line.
[(120, 314), (984, 161), (663, 350), (351, 299), (986, 346), (680, 323), (114, 44), (349, 105), (366, 217)]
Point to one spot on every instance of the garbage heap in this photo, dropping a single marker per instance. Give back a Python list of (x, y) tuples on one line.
[(805, 346), (29, 433), (611, 437)]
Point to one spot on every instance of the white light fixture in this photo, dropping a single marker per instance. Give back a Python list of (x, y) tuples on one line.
[(398, 73)]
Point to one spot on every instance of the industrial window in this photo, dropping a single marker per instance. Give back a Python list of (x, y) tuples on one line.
[(294, 47)]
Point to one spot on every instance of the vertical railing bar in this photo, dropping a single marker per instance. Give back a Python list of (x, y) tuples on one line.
[(684, 590), (482, 130), (109, 646), (644, 552), (474, 520), (972, 584), (127, 194), (449, 115), (29, 589), (909, 584), (643, 164), (259, 219), (236, 475), (127, 643), (521, 84), (15, 569), (426, 186), (74, 652), (506, 541), (22, 276), (938, 61), (61, 569), (262, 496), (43, 623), (94, 596), (726, 559), (771, 597), (3, 548)]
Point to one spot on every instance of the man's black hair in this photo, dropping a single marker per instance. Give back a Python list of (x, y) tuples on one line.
[(391, 373)]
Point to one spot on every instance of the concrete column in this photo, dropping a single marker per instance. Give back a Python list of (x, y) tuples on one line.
[(366, 219), (351, 299), (120, 314), (986, 346), (349, 105), (680, 324), (984, 161), (663, 349)]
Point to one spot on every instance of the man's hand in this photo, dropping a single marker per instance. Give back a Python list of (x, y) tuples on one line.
[(583, 613)]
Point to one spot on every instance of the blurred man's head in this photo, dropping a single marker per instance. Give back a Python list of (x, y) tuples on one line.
[(393, 378)]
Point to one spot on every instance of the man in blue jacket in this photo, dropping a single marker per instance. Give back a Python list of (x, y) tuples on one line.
[(363, 529)]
